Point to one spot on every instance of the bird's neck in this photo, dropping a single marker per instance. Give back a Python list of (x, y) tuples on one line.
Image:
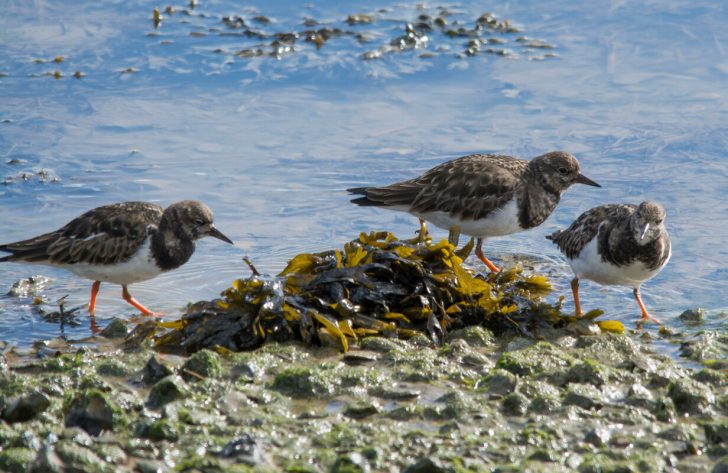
[(536, 203), (169, 250)]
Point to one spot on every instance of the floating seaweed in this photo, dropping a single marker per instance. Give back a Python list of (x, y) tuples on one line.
[(376, 285)]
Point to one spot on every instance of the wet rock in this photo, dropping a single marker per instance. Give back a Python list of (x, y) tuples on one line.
[(78, 458), (544, 405), (585, 396), (47, 461), (28, 287), (157, 430), (639, 396), (711, 376), (679, 433), (514, 404), (499, 382), (543, 357), (664, 410), (716, 432), (244, 449), (692, 315), (721, 466), (353, 462), (25, 408), (360, 357), (426, 465), (167, 390), (690, 396), (379, 344), (705, 346), (150, 466), (112, 454), (113, 367), (91, 411), (475, 335), (588, 371), (154, 371), (395, 393), (598, 437), (361, 410), (304, 382), (608, 348), (117, 328), (204, 363), (16, 460)]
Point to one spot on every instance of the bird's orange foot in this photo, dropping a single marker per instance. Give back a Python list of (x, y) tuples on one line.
[(646, 317)]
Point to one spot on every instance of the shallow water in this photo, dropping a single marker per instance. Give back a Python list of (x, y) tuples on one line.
[(638, 93)]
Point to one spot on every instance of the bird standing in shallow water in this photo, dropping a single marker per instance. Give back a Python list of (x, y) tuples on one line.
[(617, 244), (481, 195), (121, 243)]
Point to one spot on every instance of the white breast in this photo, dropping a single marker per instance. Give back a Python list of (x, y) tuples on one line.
[(503, 221), (589, 265), (139, 267)]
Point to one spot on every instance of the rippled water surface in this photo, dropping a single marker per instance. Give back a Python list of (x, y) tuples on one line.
[(638, 93)]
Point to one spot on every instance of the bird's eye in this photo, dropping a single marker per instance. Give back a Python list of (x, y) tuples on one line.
[(199, 222), (563, 170)]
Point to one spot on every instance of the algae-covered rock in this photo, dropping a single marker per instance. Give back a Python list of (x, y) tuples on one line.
[(157, 430), (585, 396), (514, 404), (78, 458), (353, 462), (475, 335), (117, 328), (204, 363), (92, 411), (361, 410), (543, 357), (695, 315), (168, 389), (426, 465), (155, 370), (689, 396), (113, 367), (305, 382), (588, 371), (16, 460), (499, 382), (716, 432), (25, 408), (721, 466), (47, 461)]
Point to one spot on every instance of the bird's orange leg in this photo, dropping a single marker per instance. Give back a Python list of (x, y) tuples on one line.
[(481, 256), (94, 292), (127, 297), (423, 231), (645, 315), (575, 291)]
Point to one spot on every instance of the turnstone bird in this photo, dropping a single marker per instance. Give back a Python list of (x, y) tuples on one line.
[(481, 195), (121, 243), (616, 244)]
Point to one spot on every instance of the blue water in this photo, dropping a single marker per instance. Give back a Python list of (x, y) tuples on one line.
[(638, 92)]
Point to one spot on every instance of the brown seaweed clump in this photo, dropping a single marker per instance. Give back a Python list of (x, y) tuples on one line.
[(377, 285)]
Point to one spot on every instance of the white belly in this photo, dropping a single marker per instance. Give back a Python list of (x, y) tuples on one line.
[(503, 221), (139, 268), (589, 265)]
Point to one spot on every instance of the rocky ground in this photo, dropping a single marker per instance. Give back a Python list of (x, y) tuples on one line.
[(572, 399)]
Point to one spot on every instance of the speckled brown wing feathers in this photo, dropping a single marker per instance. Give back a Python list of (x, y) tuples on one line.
[(469, 187), (586, 227), (104, 235)]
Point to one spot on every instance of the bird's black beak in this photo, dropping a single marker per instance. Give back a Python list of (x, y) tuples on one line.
[(582, 179), (214, 232)]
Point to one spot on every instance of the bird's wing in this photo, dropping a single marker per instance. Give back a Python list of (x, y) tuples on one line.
[(470, 187), (104, 235), (574, 238)]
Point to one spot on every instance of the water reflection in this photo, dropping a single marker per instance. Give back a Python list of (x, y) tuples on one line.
[(638, 95)]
